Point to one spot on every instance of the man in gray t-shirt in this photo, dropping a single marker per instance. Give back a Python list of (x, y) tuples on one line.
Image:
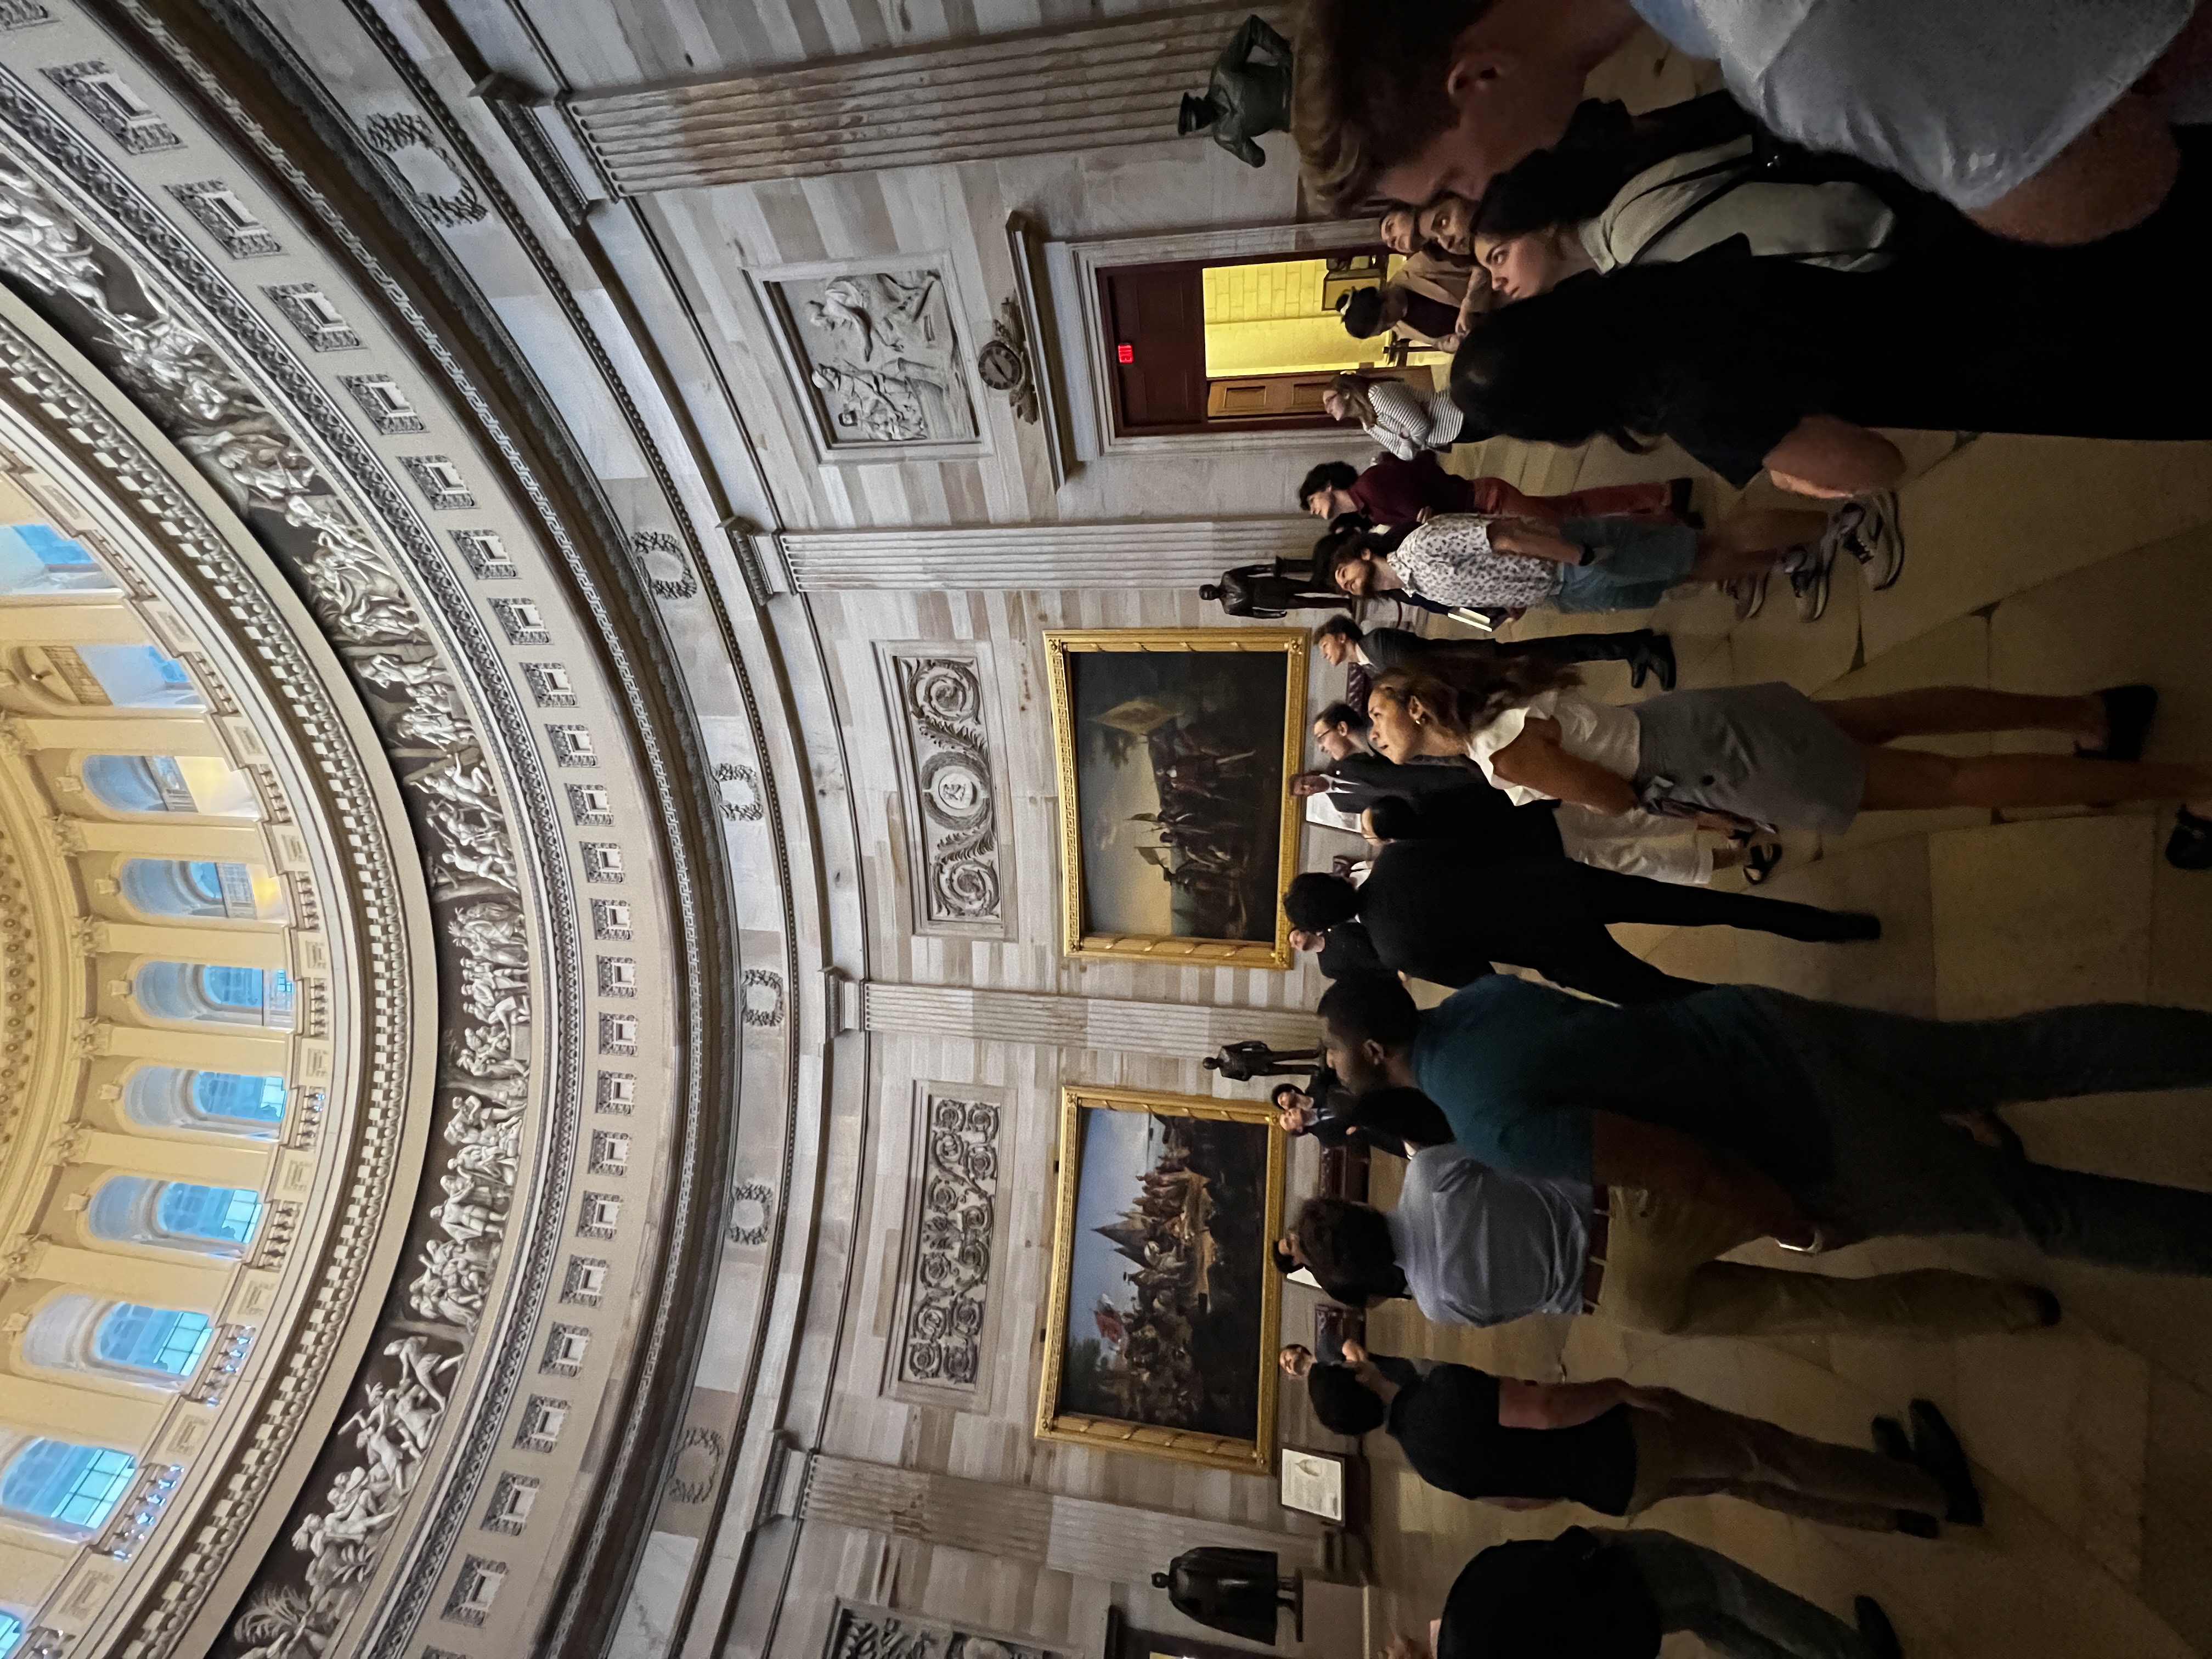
[(2046, 120), (1478, 1248), (1472, 1246)]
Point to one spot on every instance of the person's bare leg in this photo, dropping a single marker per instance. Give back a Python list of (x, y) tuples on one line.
[(1899, 779), (1767, 530), (1751, 543), (1935, 709)]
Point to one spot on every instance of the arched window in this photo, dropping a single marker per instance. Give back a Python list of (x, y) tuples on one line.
[(202, 890), (177, 1097), (215, 995), (137, 676), (60, 1481), (170, 783), (158, 1347), (180, 1214), (218, 1214), (169, 1340), (36, 558)]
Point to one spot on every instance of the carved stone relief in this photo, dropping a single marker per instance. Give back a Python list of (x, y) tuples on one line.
[(426, 170), (864, 1632), (953, 1225), (752, 1206), (667, 571), (944, 762), (699, 1454), (879, 356), (404, 1399)]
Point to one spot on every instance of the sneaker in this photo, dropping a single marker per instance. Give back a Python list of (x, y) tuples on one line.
[(1810, 585), (1749, 593), (1876, 540)]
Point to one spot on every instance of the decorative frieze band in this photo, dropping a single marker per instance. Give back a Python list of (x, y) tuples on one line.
[(1187, 1030), (1054, 555), (1036, 92)]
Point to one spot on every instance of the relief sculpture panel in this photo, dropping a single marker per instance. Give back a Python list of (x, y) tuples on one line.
[(877, 356), (951, 807), (943, 1324)]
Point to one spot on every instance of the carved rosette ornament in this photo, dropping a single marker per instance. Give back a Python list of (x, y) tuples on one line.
[(348, 577), (941, 701), (946, 1300)]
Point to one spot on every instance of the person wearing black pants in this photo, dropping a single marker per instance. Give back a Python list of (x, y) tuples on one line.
[(1428, 912), (1343, 643)]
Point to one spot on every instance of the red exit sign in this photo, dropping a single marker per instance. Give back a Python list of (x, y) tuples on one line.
[(1125, 353)]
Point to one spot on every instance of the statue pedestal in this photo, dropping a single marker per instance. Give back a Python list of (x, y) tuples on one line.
[(1336, 1617)]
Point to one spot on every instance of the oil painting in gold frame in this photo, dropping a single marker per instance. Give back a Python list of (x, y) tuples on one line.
[(1175, 748), (1164, 1308)]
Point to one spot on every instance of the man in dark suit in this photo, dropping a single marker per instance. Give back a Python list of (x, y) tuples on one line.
[(1433, 912), (1452, 800), (1366, 653)]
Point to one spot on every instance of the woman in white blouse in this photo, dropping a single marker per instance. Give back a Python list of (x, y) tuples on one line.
[(1395, 415), (1487, 559), (1768, 756)]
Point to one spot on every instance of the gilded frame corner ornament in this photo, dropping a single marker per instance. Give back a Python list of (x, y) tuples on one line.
[(1253, 1456), (1293, 645)]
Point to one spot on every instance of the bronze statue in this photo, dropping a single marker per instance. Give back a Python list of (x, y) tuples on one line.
[(1235, 1590), (1272, 590), (1242, 1063), (1246, 97)]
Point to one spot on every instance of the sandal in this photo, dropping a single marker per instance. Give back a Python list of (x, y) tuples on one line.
[(1759, 862), (2129, 711), (2190, 846)]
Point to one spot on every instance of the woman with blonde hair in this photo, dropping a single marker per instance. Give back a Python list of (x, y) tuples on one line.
[(1395, 415), (1769, 756)]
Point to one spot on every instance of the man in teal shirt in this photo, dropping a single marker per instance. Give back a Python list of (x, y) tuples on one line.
[(1818, 1124)]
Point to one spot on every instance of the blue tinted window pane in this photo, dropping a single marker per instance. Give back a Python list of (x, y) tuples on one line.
[(139, 676), (204, 878), (124, 782), (233, 987), (227, 1213), (11, 1633), (55, 551), (79, 1484), (232, 1094), (153, 1339)]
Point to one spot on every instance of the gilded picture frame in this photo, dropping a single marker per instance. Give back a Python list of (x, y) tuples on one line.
[(1179, 1285), (1130, 702)]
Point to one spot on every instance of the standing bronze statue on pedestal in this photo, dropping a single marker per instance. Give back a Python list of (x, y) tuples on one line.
[(1246, 97)]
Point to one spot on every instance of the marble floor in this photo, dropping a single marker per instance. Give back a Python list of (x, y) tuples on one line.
[(2034, 565)]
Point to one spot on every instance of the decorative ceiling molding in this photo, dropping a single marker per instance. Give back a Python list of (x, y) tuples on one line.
[(64, 403), (117, 299)]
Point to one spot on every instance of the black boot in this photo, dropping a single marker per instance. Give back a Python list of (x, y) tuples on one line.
[(1936, 1449), (1874, 1626), (1652, 653)]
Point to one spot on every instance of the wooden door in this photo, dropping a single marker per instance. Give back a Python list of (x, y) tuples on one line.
[(1267, 397), (1155, 318)]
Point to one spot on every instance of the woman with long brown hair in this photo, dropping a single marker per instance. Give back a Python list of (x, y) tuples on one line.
[(1769, 755), (1395, 415)]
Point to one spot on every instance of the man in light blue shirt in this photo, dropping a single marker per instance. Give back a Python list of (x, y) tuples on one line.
[(2047, 120), (1472, 1246)]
